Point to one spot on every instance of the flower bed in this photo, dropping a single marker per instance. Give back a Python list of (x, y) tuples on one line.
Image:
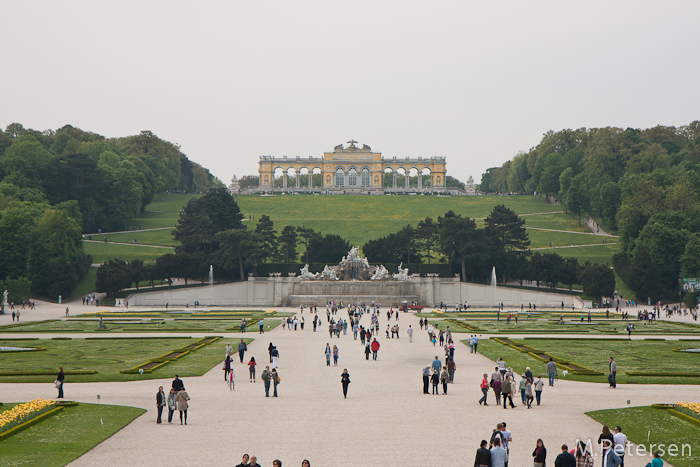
[(691, 409), (21, 413)]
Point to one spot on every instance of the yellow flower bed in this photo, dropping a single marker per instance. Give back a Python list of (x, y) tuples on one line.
[(692, 406), (20, 411)]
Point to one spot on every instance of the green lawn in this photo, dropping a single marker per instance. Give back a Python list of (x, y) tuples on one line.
[(107, 356), (140, 325), (62, 438), (102, 252), (148, 237), (600, 254), (572, 325), (635, 355), (557, 221), (660, 426)]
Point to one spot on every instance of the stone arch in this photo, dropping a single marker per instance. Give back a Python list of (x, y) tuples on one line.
[(317, 177), (426, 177), (279, 176)]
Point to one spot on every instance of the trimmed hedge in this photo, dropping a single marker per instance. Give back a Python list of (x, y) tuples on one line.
[(674, 411)]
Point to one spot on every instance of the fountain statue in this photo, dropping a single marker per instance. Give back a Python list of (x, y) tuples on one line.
[(329, 274), (402, 275), (380, 273), (305, 274)]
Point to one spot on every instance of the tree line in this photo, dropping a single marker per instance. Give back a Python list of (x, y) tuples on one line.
[(642, 183), (211, 232), (57, 184)]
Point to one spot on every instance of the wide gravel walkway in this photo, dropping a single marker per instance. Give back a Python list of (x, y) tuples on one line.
[(385, 421)]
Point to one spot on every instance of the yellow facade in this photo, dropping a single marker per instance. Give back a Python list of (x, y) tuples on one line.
[(353, 169)]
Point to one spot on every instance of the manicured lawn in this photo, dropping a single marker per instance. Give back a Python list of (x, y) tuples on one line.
[(557, 221), (635, 355), (543, 238), (107, 356), (62, 438), (597, 254), (182, 313), (140, 325), (148, 237), (102, 252), (661, 428), (572, 325)]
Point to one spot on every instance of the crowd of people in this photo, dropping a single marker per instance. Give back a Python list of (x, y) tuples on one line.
[(613, 447)]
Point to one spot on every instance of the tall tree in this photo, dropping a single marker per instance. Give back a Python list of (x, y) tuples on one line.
[(306, 234), (266, 234), (238, 248), (456, 236), (288, 241), (507, 229), (328, 248), (202, 218), (427, 232)]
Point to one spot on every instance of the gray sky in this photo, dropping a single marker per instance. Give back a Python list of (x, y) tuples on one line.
[(229, 81)]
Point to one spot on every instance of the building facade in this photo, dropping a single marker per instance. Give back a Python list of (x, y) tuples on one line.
[(352, 169)]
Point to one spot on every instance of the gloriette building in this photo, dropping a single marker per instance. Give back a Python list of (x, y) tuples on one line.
[(352, 169)]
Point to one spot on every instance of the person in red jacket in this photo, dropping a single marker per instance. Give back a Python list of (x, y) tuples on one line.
[(375, 348)]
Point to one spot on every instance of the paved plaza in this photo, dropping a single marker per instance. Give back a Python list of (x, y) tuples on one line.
[(385, 421)]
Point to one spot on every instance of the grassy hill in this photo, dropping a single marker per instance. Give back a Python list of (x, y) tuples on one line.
[(358, 219)]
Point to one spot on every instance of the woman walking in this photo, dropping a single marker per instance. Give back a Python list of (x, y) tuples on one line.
[(484, 389), (172, 405), (435, 379), (227, 367), (182, 405), (540, 454), (251, 369), (528, 393), (345, 381), (583, 457), (444, 377), (335, 355)]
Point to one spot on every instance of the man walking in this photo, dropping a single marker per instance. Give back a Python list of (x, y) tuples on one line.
[(551, 371), (565, 459), (499, 456), (426, 379), (437, 364), (241, 349), (476, 343), (275, 381), (613, 373), (266, 379), (275, 356), (375, 348), (620, 441), (261, 324), (160, 403), (178, 385)]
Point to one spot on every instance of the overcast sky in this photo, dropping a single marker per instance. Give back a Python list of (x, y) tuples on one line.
[(229, 81)]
